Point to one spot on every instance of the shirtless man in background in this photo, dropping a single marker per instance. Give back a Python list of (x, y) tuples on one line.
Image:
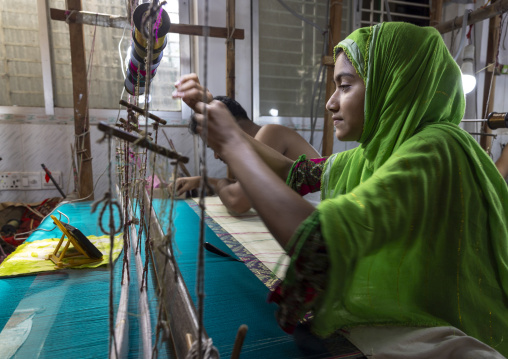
[(282, 139)]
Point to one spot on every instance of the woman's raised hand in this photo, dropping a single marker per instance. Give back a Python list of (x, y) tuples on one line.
[(223, 130), (190, 90)]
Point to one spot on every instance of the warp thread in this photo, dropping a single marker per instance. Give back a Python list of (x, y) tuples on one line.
[(208, 351)]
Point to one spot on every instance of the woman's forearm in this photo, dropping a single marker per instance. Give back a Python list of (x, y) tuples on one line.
[(260, 170), (281, 209), (276, 161)]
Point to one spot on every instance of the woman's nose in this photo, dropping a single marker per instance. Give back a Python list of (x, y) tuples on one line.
[(332, 104)]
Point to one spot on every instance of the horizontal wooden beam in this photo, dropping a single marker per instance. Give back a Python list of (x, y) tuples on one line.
[(105, 20), (483, 13), (141, 142), (142, 112)]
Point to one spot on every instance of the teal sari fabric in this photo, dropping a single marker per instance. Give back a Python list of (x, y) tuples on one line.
[(415, 218)]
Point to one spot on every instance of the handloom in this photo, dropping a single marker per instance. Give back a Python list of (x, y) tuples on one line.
[(70, 306), (156, 289)]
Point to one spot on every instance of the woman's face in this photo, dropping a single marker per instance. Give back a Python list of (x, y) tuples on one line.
[(347, 102)]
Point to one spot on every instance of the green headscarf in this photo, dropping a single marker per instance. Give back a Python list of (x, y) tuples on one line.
[(415, 218)]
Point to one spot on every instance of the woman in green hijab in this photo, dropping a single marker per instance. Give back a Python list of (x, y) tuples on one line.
[(412, 229)]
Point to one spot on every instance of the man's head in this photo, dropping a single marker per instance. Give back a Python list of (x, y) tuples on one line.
[(234, 107)]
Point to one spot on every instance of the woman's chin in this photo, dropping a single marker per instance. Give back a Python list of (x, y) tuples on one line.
[(341, 135), (345, 138)]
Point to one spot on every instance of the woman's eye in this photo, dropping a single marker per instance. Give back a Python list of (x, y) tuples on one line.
[(344, 87)]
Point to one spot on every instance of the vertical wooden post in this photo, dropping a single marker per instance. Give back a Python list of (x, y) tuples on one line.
[(436, 12), (230, 49), (333, 39), (80, 96), (490, 79)]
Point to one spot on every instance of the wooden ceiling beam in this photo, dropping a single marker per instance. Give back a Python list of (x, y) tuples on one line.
[(105, 20), (478, 15)]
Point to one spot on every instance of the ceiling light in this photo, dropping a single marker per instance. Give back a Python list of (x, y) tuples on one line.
[(468, 75)]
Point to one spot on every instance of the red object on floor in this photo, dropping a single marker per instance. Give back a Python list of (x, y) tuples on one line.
[(13, 242)]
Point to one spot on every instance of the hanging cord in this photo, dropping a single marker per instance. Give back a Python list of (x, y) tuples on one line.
[(495, 64), (503, 19), (463, 33), (501, 24), (148, 26), (202, 349), (148, 239), (109, 203), (121, 58), (200, 280), (319, 81), (304, 19), (156, 129), (166, 248), (388, 14)]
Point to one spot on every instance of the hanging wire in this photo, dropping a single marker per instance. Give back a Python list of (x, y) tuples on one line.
[(320, 78), (200, 290), (463, 33), (301, 17), (495, 64), (388, 13), (121, 59)]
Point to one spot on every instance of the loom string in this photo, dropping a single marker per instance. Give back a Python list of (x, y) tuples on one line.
[(147, 242), (145, 167), (110, 203), (141, 201), (148, 62), (166, 247), (126, 232), (111, 268), (171, 224), (204, 185)]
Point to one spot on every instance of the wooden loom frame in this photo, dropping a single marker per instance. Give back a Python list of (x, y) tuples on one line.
[(179, 313), (76, 18), (181, 310)]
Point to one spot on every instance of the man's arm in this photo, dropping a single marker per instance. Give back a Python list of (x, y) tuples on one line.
[(232, 195), (286, 141), (229, 191), (184, 184), (279, 206), (502, 162)]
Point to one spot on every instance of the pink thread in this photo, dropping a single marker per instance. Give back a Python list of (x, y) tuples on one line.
[(157, 23), (135, 69)]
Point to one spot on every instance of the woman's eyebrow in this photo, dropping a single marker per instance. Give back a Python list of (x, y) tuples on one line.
[(343, 74)]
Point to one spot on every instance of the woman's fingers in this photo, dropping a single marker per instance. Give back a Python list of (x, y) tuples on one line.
[(190, 90), (221, 125)]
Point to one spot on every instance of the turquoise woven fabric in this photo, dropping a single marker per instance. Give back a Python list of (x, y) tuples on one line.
[(233, 294), (71, 313)]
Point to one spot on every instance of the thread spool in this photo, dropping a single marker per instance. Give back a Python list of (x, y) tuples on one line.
[(137, 68), (497, 120)]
